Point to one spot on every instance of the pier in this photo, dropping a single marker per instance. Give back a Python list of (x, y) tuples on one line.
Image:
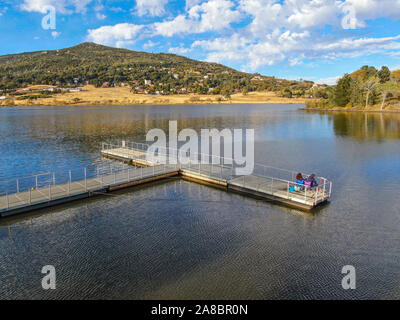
[(45, 190)]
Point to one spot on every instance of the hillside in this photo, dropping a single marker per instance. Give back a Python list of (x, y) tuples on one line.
[(93, 64)]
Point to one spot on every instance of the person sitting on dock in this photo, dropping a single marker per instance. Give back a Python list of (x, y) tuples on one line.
[(311, 182), (299, 178), (300, 181)]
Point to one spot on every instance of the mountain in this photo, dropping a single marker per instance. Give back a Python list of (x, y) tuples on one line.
[(90, 63)]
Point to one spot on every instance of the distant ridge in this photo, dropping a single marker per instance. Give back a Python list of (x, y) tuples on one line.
[(91, 63)]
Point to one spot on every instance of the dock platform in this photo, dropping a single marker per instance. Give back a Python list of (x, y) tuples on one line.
[(266, 182)]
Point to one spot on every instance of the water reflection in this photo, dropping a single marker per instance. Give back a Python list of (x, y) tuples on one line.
[(365, 126)]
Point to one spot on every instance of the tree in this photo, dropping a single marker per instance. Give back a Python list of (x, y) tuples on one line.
[(359, 75), (226, 93), (342, 92), (371, 71), (384, 74), (395, 75), (387, 87), (369, 86), (287, 93)]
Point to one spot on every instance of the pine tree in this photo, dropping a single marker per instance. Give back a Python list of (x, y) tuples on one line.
[(384, 74), (342, 93)]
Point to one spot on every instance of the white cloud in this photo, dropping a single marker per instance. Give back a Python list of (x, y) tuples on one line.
[(100, 16), (373, 9), (179, 50), (306, 14), (191, 3), (286, 32), (154, 8), (213, 15), (272, 31), (231, 48), (40, 5), (119, 34), (291, 48), (150, 44), (55, 34), (329, 81), (291, 14), (116, 9), (62, 6)]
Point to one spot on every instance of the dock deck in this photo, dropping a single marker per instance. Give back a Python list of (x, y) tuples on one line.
[(265, 182), (52, 194)]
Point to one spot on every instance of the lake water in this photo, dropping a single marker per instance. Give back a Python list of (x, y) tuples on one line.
[(182, 240)]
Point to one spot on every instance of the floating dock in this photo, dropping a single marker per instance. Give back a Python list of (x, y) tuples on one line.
[(266, 182)]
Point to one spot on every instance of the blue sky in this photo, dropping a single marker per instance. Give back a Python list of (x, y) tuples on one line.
[(317, 40)]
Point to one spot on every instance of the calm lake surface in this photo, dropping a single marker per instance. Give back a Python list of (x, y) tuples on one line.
[(182, 240)]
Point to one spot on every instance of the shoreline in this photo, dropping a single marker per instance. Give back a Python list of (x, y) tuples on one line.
[(150, 104), (351, 110), (121, 96)]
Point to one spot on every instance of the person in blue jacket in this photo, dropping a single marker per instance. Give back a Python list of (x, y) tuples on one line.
[(299, 178)]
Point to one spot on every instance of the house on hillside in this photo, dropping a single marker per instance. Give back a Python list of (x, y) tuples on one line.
[(3, 98), (147, 82)]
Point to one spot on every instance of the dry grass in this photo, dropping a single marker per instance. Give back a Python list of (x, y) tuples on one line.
[(122, 96)]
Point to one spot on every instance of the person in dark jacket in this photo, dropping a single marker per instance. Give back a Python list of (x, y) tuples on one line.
[(312, 180)]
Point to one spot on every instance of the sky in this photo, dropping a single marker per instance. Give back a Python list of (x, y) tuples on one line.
[(317, 40)]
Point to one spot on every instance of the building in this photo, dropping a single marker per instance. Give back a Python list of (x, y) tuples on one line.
[(3, 98), (147, 82)]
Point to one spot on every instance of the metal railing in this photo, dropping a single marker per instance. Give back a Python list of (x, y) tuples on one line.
[(47, 187)]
